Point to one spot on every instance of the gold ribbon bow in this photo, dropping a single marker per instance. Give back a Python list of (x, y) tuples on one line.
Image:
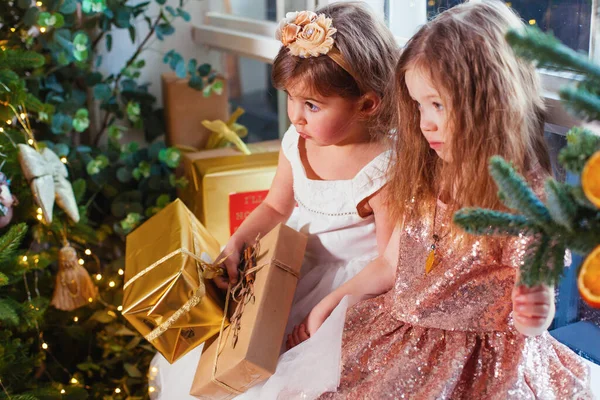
[(48, 178), (227, 132)]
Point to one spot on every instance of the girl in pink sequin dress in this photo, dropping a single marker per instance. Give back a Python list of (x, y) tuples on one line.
[(449, 322)]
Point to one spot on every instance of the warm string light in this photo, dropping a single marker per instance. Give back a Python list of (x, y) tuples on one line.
[(88, 252), (24, 259), (74, 381), (42, 29), (76, 319), (45, 346), (81, 261), (98, 277), (38, 3), (117, 390), (30, 141), (63, 159), (121, 272), (111, 284), (120, 308), (62, 391)]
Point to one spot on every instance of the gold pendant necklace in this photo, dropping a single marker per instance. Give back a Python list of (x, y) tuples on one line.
[(430, 262)]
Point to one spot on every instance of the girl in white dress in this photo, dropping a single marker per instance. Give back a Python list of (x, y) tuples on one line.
[(334, 65)]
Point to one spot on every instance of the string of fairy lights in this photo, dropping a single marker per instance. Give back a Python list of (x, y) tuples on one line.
[(21, 118)]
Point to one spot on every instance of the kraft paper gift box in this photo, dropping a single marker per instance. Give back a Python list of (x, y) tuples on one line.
[(185, 108), (225, 185), (252, 356), (165, 295)]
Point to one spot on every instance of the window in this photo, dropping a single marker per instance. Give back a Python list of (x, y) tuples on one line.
[(245, 29), (569, 20)]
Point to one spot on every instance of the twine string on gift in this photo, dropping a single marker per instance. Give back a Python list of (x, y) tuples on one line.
[(242, 293)]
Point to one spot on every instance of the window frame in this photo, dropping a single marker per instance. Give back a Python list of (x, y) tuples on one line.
[(256, 39)]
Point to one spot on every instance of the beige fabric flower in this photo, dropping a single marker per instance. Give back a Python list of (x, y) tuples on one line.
[(289, 34), (314, 39), (289, 19), (305, 18)]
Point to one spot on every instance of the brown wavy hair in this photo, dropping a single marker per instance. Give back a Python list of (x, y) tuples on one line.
[(365, 43), (493, 102)]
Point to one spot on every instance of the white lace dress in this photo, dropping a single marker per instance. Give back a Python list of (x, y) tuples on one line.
[(341, 242)]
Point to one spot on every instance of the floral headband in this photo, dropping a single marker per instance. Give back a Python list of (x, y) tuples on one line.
[(307, 34)]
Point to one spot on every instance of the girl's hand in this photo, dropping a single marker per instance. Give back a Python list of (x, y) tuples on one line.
[(311, 323), (232, 251), (533, 308)]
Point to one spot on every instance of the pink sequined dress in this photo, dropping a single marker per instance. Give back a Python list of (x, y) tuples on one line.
[(449, 334)]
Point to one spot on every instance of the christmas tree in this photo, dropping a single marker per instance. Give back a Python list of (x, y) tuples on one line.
[(70, 191), (570, 216)]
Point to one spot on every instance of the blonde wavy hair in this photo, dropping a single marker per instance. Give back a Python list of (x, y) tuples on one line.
[(493, 102)]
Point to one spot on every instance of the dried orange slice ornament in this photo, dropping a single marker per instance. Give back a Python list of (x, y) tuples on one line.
[(590, 179), (588, 282)]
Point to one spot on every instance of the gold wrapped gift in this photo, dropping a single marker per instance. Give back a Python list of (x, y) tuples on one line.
[(165, 295), (249, 348), (226, 185)]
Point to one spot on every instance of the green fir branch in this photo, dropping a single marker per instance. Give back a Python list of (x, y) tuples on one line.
[(531, 270), (581, 145), (548, 52), (560, 204), (9, 243), (490, 222), (20, 59), (9, 312), (515, 192), (581, 103), (556, 263)]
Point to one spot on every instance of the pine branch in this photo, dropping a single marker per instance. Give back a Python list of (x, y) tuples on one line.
[(20, 59), (8, 312), (581, 103), (515, 192), (549, 52), (3, 279), (583, 242), (9, 243), (560, 204), (581, 145), (531, 270), (489, 222), (557, 263)]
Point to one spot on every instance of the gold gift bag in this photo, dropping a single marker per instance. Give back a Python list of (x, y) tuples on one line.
[(165, 296), (226, 185), (249, 349), (185, 108)]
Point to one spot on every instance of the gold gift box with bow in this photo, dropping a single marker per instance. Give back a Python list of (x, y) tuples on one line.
[(249, 356), (216, 175), (165, 295)]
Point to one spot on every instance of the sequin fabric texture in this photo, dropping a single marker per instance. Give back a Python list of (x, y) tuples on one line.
[(449, 334)]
